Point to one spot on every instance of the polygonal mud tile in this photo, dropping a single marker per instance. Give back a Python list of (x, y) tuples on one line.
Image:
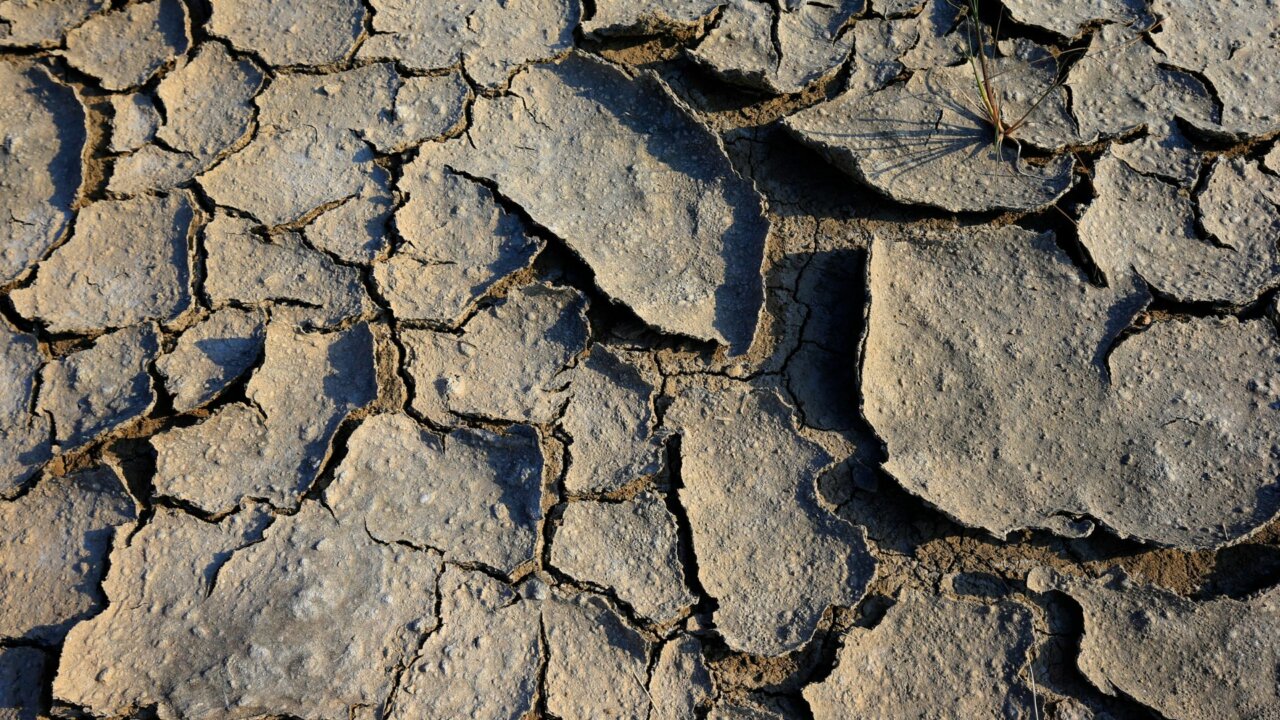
[(507, 364), (208, 110), (611, 420), (1069, 19), (207, 102), (243, 268), (54, 543), (124, 48), (997, 342), (779, 47), (483, 660), (96, 389), (42, 23), (129, 261), (290, 32), (622, 172), (1144, 225), (389, 111), (285, 174), (938, 657), (25, 439), (134, 121), (1163, 152), (922, 143), (211, 355), (630, 548), (1185, 659), (1121, 83), (680, 685), (311, 618), (772, 556), (1233, 46), (43, 135), (597, 665), (473, 495), (648, 17)]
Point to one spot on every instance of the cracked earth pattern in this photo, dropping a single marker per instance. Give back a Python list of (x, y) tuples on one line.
[(653, 359)]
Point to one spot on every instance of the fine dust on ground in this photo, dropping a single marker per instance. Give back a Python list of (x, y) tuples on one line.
[(654, 359)]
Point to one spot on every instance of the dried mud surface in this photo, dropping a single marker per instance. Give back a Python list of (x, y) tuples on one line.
[(654, 359)]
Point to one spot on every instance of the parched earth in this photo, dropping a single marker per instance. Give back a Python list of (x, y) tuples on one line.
[(648, 359)]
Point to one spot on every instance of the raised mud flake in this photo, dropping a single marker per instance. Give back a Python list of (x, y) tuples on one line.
[(312, 621), (207, 102), (1240, 207), (390, 112), (932, 657), (356, 231), (623, 173), (42, 23), (291, 32), (42, 133), (458, 244), (125, 48), (21, 676), (483, 660), (273, 446), (1122, 83), (283, 175), (780, 47), (680, 685), (921, 142), (596, 664), (772, 556), (1234, 46), (994, 341), (474, 495), (211, 355), (245, 269), (880, 45), (1186, 659), (128, 262), (997, 342), (1165, 153), (507, 364), (134, 121), (629, 547), (24, 435), (611, 420), (1070, 19), (54, 543), (944, 34), (151, 168), (94, 390), (1144, 225), (648, 17), (491, 39)]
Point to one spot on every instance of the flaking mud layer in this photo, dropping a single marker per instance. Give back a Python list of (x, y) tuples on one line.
[(662, 360)]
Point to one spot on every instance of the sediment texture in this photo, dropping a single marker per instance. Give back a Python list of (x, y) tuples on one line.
[(659, 360)]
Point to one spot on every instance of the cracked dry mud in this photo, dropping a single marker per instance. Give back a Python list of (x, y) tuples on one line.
[(661, 359)]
